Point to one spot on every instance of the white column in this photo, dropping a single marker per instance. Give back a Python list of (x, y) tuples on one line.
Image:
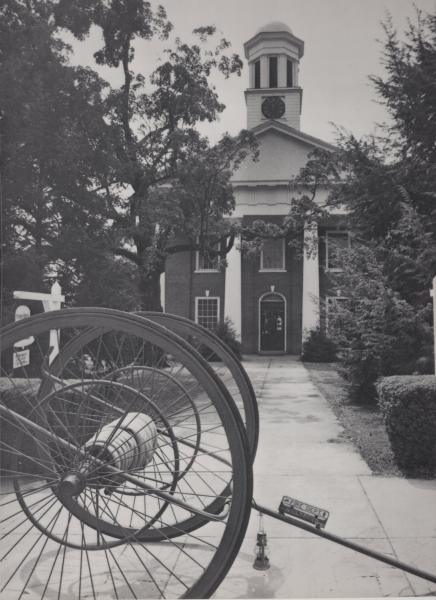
[(232, 290), (264, 72), (310, 318), (281, 65), (162, 290)]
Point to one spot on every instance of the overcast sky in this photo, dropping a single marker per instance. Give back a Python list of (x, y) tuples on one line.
[(341, 50)]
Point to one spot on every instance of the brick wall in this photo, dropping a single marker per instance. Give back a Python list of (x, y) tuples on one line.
[(183, 284), (178, 284), (214, 282), (254, 284)]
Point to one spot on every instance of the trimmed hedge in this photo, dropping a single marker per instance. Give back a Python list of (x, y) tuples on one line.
[(408, 403)]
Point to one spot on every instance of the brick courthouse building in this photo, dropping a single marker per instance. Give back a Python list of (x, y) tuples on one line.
[(272, 299)]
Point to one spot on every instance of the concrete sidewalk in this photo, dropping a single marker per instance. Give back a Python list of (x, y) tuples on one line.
[(303, 453)]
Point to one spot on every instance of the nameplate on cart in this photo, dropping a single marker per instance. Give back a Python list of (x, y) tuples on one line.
[(302, 510)]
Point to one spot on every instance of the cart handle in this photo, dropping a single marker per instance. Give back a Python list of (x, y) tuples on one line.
[(344, 542)]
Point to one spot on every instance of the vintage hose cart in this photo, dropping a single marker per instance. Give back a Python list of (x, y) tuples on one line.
[(126, 459)]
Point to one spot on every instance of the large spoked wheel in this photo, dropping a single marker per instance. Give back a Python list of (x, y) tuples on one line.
[(160, 380), (103, 483), (221, 359)]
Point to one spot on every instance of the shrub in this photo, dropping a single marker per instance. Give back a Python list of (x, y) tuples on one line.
[(408, 404), (378, 332), (227, 334), (318, 347)]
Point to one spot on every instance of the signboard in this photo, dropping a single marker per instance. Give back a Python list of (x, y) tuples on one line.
[(21, 358), (23, 312)]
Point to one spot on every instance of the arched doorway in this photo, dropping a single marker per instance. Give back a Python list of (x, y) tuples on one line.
[(272, 323)]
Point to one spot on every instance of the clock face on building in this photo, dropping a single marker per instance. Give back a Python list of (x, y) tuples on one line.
[(273, 107)]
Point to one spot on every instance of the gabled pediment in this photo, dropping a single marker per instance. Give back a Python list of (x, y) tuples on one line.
[(291, 132), (283, 151)]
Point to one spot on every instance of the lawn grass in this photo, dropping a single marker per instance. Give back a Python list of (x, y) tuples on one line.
[(363, 425)]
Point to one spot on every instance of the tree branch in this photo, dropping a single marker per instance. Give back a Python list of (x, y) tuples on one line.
[(128, 254)]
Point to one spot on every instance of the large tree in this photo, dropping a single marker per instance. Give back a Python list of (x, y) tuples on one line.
[(90, 168), (171, 188), (387, 185), (55, 146)]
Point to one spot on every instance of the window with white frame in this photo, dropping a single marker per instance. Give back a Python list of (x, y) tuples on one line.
[(272, 256), (337, 243), (206, 260), (331, 307), (207, 311)]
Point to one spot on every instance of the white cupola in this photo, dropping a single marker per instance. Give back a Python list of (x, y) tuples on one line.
[(273, 55)]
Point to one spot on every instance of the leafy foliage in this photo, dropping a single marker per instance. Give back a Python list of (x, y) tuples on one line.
[(377, 331), (409, 89), (90, 170), (226, 332), (55, 145), (385, 186)]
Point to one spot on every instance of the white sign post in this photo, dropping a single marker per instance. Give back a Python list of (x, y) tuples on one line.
[(52, 301), (433, 295)]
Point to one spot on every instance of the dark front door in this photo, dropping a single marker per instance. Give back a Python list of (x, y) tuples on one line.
[(272, 324)]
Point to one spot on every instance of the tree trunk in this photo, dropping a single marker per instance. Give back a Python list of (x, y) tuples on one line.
[(149, 288)]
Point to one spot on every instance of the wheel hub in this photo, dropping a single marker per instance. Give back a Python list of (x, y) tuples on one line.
[(72, 484), (127, 443)]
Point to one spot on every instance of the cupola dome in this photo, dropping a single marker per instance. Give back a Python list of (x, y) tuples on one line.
[(274, 26)]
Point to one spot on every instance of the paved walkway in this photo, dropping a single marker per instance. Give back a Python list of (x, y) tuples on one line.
[(302, 453)]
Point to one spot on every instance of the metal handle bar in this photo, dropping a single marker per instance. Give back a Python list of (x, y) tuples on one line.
[(347, 543)]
